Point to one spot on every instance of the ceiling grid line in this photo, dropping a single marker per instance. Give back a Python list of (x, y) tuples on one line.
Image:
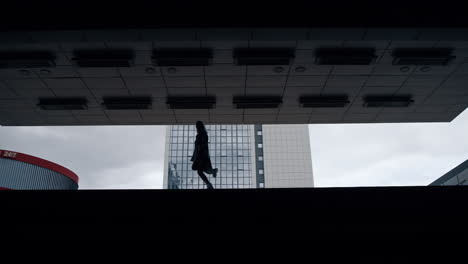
[(80, 77), (38, 111), (395, 92), (167, 91), (286, 83), (357, 94), (443, 81)]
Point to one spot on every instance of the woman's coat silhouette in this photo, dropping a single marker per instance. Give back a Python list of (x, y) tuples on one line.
[(201, 156)]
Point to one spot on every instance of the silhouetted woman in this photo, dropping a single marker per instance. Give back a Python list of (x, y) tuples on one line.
[(201, 156)]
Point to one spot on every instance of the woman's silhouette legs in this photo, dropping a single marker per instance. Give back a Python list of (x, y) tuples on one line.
[(213, 172), (205, 179)]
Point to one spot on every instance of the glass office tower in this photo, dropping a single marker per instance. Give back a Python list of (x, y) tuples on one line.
[(247, 156), (231, 149)]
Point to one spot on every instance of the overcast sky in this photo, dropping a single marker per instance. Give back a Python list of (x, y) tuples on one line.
[(131, 157)]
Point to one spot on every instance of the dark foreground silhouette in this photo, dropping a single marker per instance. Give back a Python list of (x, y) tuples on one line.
[(419, 214), (201, 156)]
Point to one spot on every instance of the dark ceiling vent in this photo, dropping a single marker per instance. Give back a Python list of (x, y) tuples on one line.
[(324, 101), (103, 58), (127, 103), (345, 56), (75, 103), (422, 56), (27, 59), (388, 101), (263, 56), (192, 102), (243, 102), (182, 57)]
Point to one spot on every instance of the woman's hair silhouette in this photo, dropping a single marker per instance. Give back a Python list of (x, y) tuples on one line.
[(200, 127), (201, 156)]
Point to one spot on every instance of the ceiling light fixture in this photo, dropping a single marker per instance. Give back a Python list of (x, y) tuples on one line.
[(103, 58), (425, 69), (345, 56), (263, 56), (182, 57), (127, 102), (324, 101), (244, 102), (45, 72), (388, 101), (278, 69), (422, 56), (26, 59), (191, 102), (150, 70), (300, 69), (404, 69), (74, 103)]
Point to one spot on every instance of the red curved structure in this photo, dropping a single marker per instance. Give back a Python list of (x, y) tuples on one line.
[(7, 154)]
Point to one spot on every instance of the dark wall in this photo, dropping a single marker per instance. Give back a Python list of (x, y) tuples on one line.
[(317, 213)]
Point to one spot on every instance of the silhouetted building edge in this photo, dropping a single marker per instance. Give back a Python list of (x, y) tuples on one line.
[(457, 176)]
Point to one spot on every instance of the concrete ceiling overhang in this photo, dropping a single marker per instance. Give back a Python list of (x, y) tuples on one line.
[(438, 93)]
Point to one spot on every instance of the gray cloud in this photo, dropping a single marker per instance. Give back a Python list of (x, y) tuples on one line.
[(104, 157), (387, 154)]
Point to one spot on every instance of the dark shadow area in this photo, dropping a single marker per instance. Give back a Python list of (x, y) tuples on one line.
[(30, 14), (414, 213)]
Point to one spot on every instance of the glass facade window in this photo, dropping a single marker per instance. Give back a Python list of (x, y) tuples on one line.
[(230, 148), (457, 176), (260, 145)]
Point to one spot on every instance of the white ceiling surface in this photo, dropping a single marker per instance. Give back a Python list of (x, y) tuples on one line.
[(440, 94)]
